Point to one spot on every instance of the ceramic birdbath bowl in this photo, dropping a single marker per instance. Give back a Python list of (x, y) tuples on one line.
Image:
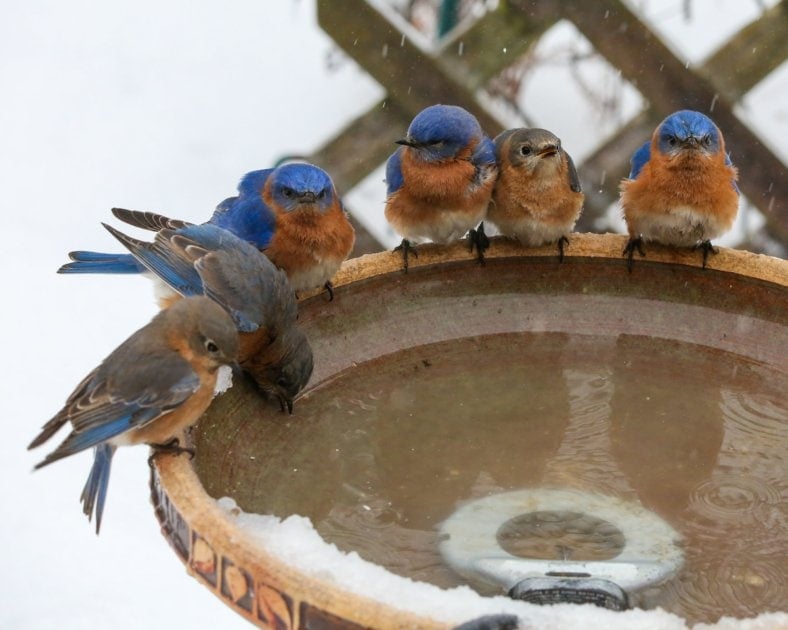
[(578, 389)]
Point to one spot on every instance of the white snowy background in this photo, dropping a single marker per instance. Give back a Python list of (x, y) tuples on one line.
[(163, 106)]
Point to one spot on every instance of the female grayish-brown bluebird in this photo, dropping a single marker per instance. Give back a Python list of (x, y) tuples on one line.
[(157, 382), (537, 198)]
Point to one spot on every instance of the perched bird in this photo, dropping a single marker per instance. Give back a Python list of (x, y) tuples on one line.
[(682, 189), (313, 235), (440, 180), (537, 198), (208, 260), (157, 382), (292, 213)]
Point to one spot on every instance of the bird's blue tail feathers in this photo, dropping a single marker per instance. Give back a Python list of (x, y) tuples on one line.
[(95, 491), (98, 262)]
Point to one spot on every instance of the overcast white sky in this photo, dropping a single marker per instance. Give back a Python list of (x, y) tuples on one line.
[(159, 106)]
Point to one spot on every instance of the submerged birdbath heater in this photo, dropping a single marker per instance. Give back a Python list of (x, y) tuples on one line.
[(551, 432)]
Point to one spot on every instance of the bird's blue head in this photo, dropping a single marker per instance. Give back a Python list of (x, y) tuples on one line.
[(687, 130), (440, 132), (298, 185)]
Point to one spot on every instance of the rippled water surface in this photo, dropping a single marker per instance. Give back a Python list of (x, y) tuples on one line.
[(696, 435)]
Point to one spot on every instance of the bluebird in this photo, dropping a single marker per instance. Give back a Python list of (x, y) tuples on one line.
[(313, 235), (208, 260), (157, 382), (440, 179), (292, 213), (537, 198), (681, 190)]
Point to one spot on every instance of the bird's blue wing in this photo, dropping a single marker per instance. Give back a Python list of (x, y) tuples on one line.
[(394, 179), (484, 153), (639, 159), (483, 159), (136, 384), (174, 269), (252, 183), (104, 420), (101, 424), (246, 215), (243, 282), (231, 271), (208, 260), (224, 205), (248, 218)]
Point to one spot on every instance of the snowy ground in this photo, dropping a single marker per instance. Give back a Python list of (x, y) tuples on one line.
[(159, 106)]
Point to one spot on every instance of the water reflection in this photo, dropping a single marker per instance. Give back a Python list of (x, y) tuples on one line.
[(387, 450), (666, 420)]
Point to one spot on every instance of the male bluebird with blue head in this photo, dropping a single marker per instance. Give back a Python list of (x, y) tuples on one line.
[(440, 179), (208, 260), (292, 213), (157, 382), (682, 189), (313, 235), (537, 198)]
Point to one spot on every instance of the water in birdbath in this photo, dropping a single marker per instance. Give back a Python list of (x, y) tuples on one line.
[(379, 455)]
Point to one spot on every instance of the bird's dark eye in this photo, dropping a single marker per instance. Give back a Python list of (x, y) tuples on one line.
[(287, 192), (672, 141), (321, 194), (706, 140), (210, 346), (525, 150)]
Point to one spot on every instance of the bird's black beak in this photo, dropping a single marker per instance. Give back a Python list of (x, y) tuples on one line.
[(307, 197), (405, 142)]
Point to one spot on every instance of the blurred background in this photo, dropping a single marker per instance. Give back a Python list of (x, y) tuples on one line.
[(164, 106)]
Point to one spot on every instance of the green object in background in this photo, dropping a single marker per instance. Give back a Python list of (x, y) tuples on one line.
[(448, 16)]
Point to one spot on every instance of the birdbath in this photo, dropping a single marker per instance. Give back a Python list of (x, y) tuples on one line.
[(590, 398)]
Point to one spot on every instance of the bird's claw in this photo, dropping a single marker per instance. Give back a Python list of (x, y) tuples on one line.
[(561, 243), (479, 240), (330, 288), (172, 447), (407, 248), (707, 248), (629, 250)]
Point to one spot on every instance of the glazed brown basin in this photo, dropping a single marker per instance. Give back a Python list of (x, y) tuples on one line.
[(445, 298)]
